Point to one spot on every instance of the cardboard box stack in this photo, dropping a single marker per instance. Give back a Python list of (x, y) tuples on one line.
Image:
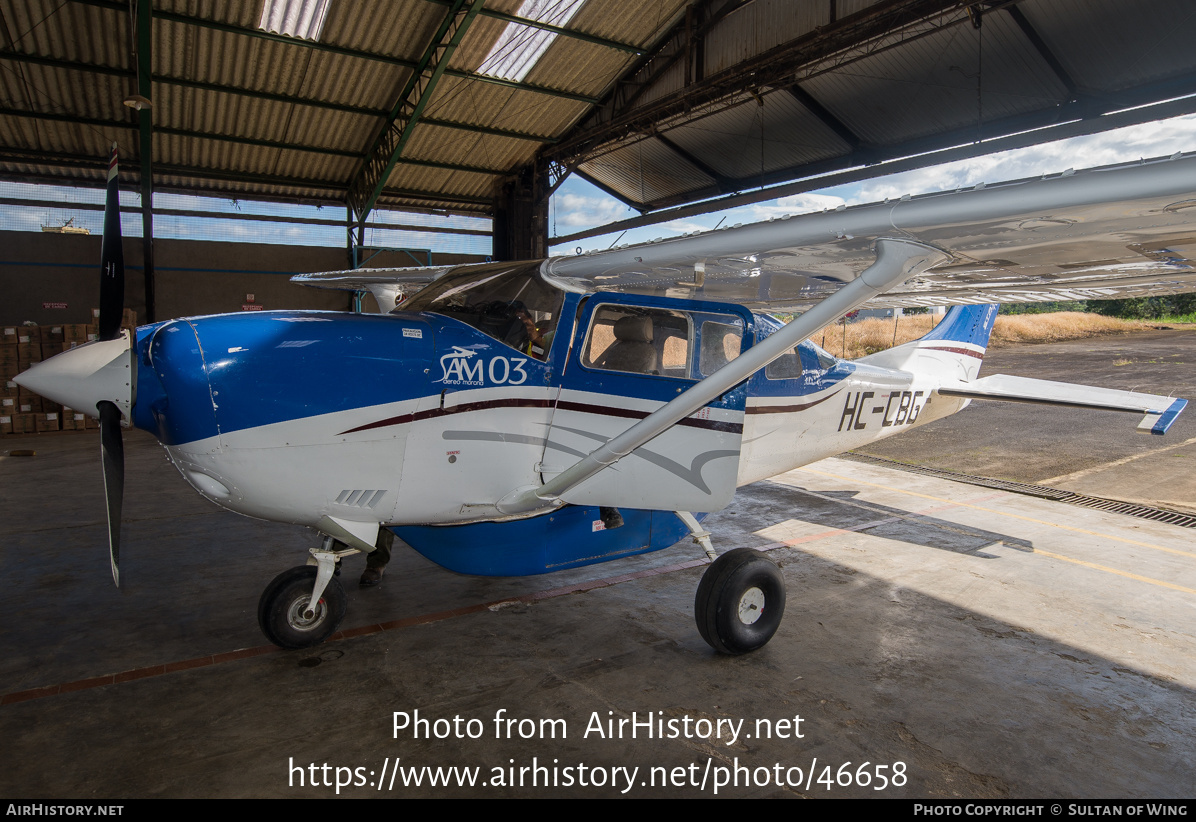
[(22, 346)]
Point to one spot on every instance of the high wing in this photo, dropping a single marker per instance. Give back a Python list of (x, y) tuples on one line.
[(1113, 232), (1119, 231)]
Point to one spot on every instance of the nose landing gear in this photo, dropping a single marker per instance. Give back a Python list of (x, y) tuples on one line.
[(304, 606)]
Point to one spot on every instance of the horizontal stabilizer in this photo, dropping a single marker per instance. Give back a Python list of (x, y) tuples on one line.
[(1159, 412)]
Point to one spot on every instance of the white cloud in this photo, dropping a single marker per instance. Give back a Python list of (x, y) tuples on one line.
[(795, 204), (578, 210), (674, 227), (1156, 139)]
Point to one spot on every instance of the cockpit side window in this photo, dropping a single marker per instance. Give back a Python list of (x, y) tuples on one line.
[(639, 340), (507, 301)]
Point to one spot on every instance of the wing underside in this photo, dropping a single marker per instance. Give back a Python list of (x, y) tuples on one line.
[(1115, 232)]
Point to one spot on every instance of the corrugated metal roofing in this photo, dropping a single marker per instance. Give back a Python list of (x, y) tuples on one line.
[(929, 85), (752, 138), (259, 116)]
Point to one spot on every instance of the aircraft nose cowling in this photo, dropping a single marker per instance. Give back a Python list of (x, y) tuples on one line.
[(84, 376)]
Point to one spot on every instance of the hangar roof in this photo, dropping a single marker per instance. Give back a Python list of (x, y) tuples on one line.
[(405, 103)]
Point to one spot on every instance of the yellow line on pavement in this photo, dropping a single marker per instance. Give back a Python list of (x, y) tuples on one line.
[(1115, 571)]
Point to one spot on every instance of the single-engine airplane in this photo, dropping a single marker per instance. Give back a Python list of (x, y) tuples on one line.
[(524, 417)]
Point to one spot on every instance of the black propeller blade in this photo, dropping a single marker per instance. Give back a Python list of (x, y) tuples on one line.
[(112, 260), (112, 304), (112, 449)]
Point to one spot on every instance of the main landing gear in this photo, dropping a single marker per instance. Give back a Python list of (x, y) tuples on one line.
[(741, 597), (738, 607), (304, 606), (740, 601)]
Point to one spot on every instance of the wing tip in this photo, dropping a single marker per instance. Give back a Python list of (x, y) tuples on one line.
[(1159, 423)]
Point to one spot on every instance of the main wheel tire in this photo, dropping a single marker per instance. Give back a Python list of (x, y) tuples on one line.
[(740, 601), (280, 611)]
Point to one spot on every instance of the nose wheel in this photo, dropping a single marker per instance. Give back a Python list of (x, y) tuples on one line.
[(740, 601), (287, 615)]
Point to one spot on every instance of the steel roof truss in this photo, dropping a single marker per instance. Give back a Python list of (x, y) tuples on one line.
[(381, 158)]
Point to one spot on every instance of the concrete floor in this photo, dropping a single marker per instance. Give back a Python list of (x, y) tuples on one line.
[(983, 644), (1088, 452)]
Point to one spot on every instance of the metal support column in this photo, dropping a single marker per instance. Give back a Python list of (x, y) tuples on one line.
[(145, 128)]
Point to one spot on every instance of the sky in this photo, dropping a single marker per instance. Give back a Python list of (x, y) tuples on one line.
[(577, 205)]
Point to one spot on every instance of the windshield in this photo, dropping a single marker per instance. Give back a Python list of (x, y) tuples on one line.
[(507, 301)]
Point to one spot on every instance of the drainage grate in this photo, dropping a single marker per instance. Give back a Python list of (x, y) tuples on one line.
[(1056, 494)]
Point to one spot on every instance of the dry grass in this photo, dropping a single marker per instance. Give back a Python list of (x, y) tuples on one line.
[(872, 335)]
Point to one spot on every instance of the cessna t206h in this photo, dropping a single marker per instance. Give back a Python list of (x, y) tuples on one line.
[(520, 418)]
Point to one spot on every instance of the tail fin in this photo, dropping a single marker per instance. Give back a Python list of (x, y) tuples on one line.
[(964, 331), (955, 347)]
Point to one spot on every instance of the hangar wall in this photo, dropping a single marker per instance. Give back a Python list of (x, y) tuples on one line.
[(192, 277)]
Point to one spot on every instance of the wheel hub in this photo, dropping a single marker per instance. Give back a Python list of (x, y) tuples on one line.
[(302, 619), (751, 606)]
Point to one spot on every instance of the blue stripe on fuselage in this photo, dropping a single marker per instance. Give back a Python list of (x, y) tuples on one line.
[(236, 371)]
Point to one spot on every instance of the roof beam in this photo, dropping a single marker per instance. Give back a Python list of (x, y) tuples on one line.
[(21, 202), (670, 48), (182, 82), (1044, 51), (825, 116), (417, 92), (558, 30), (335, 190), (216, 25), (182, 132), (775, 67), (618, 195), (249, 141), (719, 179)]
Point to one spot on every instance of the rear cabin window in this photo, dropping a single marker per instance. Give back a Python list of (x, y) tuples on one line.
[(785, 367), (720, 343)]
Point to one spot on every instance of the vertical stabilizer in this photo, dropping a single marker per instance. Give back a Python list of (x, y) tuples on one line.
[(968, 325), (954, 348)]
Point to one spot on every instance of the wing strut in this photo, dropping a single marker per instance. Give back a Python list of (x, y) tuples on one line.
[(896, 261)]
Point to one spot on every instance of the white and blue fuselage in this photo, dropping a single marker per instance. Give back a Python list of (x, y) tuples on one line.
[(417, 419)]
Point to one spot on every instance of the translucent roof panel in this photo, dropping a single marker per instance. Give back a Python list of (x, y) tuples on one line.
[(519, 46)]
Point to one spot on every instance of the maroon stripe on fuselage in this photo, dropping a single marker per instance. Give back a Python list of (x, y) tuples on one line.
[(585, 408), (403, 419), (966, 351), (785, 409), (633, 414)]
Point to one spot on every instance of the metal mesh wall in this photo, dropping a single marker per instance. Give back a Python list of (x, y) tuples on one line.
[(36, 207)]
